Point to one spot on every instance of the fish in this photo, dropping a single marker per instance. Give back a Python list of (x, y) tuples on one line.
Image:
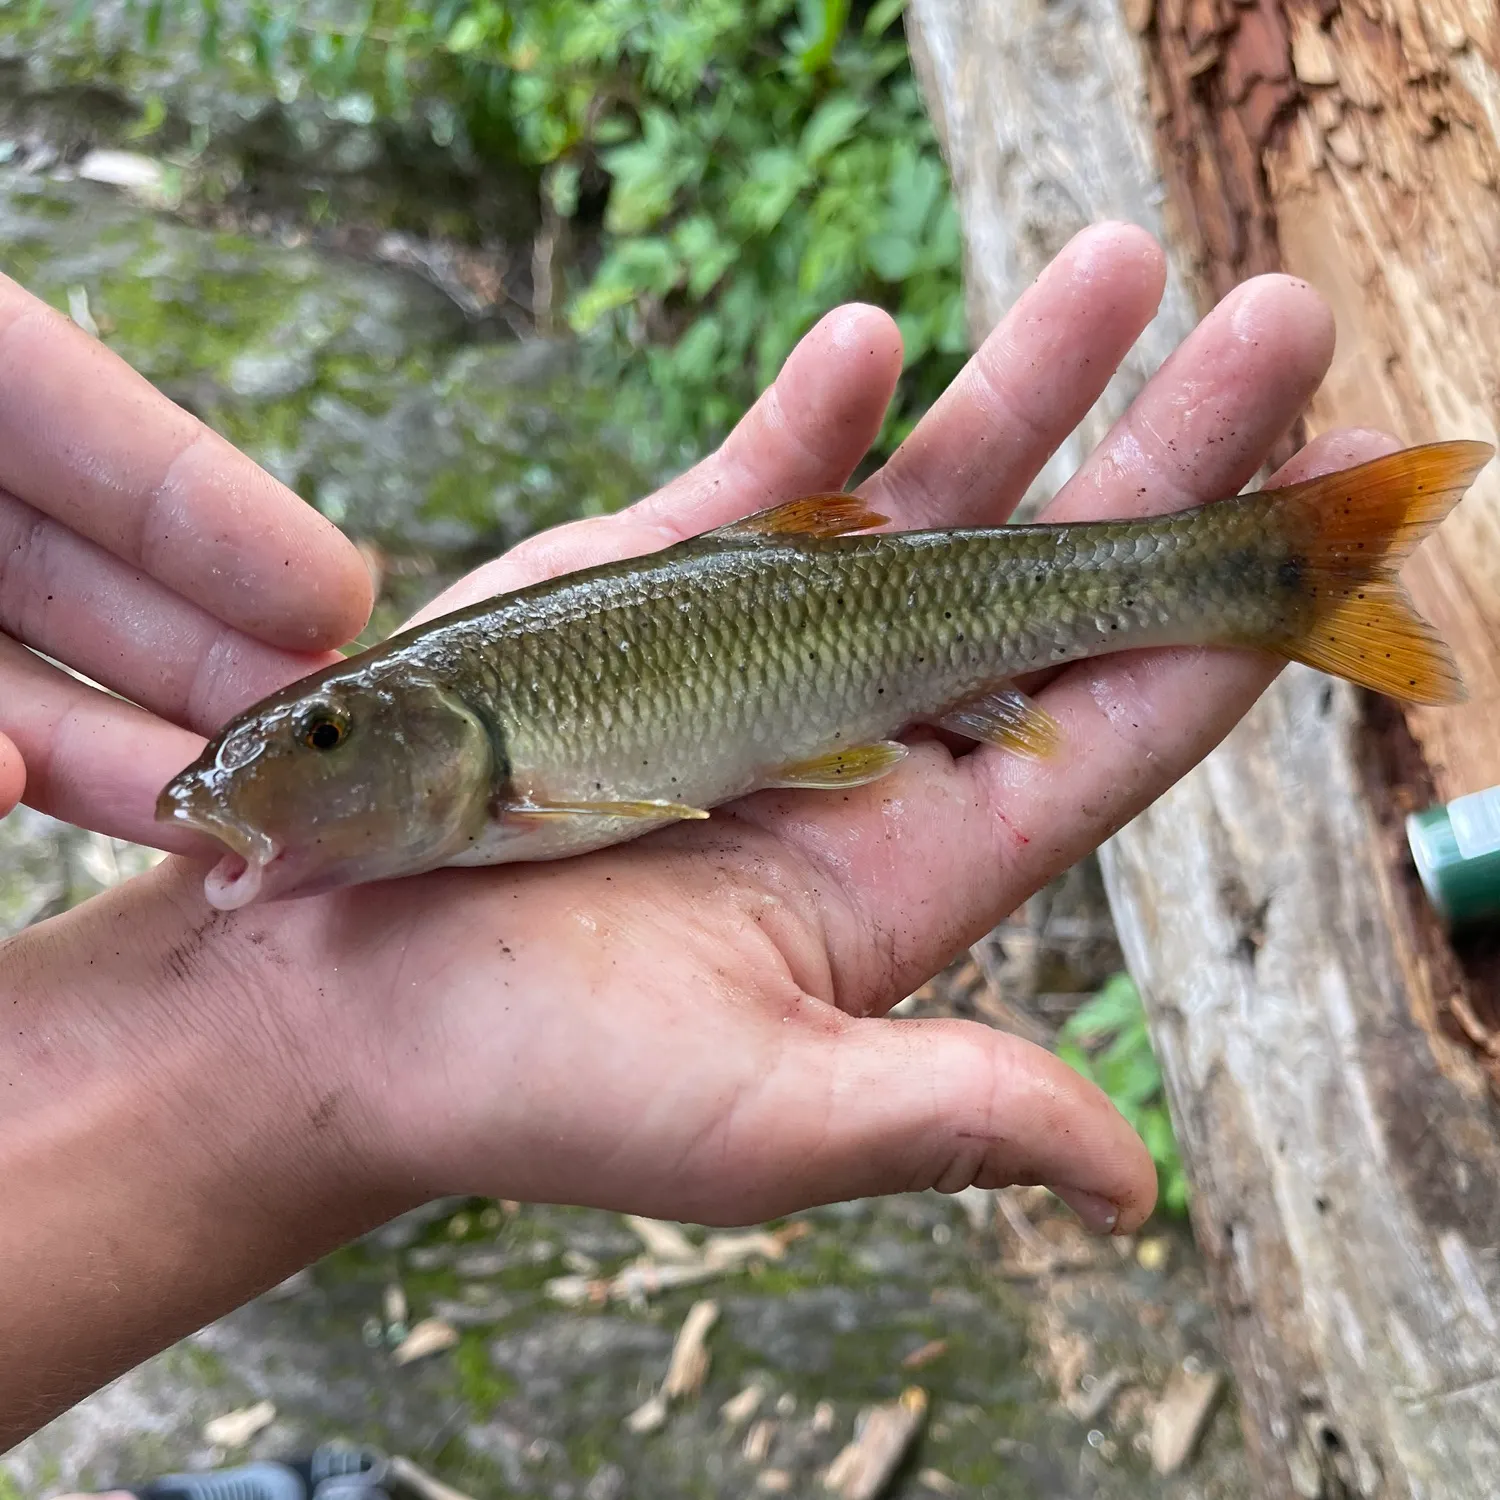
[(789, 649)]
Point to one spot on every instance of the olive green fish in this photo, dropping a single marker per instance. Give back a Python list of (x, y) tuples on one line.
[(785, 650)]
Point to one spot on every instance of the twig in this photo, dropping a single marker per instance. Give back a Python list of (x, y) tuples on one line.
[(864, 1468)]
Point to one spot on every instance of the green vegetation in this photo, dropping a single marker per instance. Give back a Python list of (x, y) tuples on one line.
[(1106, 1040), (710, 175)]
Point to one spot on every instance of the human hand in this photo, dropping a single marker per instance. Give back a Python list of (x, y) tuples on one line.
[(689, 1025), (146, 552)]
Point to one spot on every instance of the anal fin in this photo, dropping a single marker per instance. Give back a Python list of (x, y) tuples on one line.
[(1009, 719), (854, 766)]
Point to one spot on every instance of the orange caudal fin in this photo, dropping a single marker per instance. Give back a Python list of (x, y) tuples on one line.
[(1352, 531)]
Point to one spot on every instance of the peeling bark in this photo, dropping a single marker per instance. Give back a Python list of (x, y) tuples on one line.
[(1357, 143), (1329, 1054)]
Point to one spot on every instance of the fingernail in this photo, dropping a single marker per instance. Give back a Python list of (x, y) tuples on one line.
[(1097, 1213)]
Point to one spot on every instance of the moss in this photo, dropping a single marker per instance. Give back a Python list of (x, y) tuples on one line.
[(483, 1387), (361, 387), (202, 1366)]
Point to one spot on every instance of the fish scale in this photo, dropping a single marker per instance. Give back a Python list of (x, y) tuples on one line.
[(728, 665)]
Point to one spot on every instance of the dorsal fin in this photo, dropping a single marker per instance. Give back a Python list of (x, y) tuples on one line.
[(811, 516)]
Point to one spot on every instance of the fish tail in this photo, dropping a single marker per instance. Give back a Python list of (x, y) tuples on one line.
[(1350, 532)]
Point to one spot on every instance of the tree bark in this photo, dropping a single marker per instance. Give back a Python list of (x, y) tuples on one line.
[(1329, 1053)]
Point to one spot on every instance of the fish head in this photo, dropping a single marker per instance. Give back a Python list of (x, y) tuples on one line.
[(342, 779)]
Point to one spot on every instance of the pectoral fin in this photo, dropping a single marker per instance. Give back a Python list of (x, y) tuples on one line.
[(852, 767), (1009, 719), (644, 809), (811, 516)]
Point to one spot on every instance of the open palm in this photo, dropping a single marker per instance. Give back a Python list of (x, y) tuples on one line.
[(691, 1025)]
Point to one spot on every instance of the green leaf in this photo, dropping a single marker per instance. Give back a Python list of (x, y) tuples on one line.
[(1116, 1005), (776, 176), (831, 125), (396, 87), (467, 35), (561, 185), (705, 254), (1175, 1195), (823, 23), (646, 174), (1156, 1132), (1076, 1059), (696, 355), (892, 257), (881, 15), (153, 117)]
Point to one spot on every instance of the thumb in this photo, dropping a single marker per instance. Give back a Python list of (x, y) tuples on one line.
[(891, 1106), (12, 776)]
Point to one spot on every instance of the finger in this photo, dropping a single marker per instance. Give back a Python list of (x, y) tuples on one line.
[(89, 442), (12, 776), (68, 597), (93, 760), (807, 432), (902, 1106), (992, 827), (836, 1109), (1031, 382)]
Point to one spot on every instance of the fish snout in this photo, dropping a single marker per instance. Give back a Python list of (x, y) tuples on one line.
[(191, 801)]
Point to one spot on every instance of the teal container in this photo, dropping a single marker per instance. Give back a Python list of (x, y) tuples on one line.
[(1456, 848)]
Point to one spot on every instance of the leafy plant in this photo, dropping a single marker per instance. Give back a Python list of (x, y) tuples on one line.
[(1107, 1041), (729, 169)]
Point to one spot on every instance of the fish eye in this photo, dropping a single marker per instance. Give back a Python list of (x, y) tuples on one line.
[(323, 727)]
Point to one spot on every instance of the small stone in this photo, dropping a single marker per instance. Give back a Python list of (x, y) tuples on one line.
[(823, 1417), (1154, 1254), (430, 1336), (650, 1416), (267, 374), (937, 1481), (774, 1481), (124, 169), (235, 1428), (786, 1404), (480, 1263), (294, 1285), (1182, 1417), (738, 1410), (758, 1441), (478, 1313), (574, 1291), (393, 1305), (607, 1483)]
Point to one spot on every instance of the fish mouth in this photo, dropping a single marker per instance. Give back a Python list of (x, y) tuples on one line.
[(239, 878)]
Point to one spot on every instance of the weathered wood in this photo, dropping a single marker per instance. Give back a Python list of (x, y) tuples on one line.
[(1027, 97), (1354, 142), (1313, 1024)]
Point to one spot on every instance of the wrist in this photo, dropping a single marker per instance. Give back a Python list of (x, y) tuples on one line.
[(180, 1128)]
